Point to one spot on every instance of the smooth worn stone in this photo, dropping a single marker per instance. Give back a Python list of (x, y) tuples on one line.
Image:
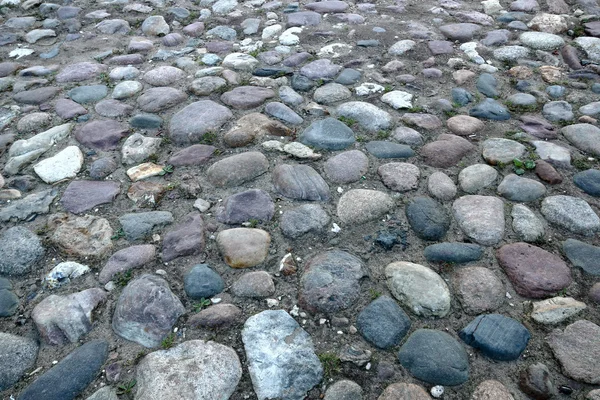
[(185, 239), (88, 94), (137, 148), (327, 134), (490, 109), (139, 225), (571, 213), (385, 149), (144, 171), (102, 168), (28, 207), (202, 370), (538, 127), (461, 97), (258, 284), (481, 218), (306, 218), (553, 153), (217, 316), (487, 85), (438, 47), (382, 323), (146, 311), (525, 100), (464, 125), (290, 368), (68, 109), (582, 255), (290, 97), (79, 72), (34, 122), (81, 196), (500, 150), (254, 204), (18, 355), (348, 76), (456, 253), (404, 391), (441, 186), (535, 382), (399, 177), (541, 40), (121, 73), (368, 116), (491, 390), (590, 45), (196, 154), (533, 271), (508, 53), (303, 18), (358, 206), (516, 188), (113, 26), (462, 32), (526, 224), (408, 136), (344, 390), (113, 108), (427, 218), (300, 182), (401, 47), (331, 93), (547, 172), (583, 136), (202, 282), (20, 250), (251, 127), (446, 151), (594, 293), (65, 319), (419, 289), (126, 89), (164, 75), (160, 98), (81, 367), (64, 165), (479, 290), (496, 336), (237, 169), (243, 247), (246, 97), (190, 124), (9, 303), (206, 85), (240, 62), (330, 281), (36, 96), (127, 259), (101, 134), (346, 167), (155, 25), (578, 351), (320, 69), (588, 181), (85, 236), (556, 309), (477, 177), (435, 357), (555, 111), (425, 121)]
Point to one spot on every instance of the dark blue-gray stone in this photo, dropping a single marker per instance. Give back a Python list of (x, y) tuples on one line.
[(496, 336), (596, 88), (8, 300), (427, 218), (384, 149), (461, 96), (435, 357), (272, 71), (202, 282), (139, 225), (458, 253), (486, 84), (583, 255), (301, 83), (103, 167), (348, 76), (88, 94), (368, 43), (490, 109), (146, 121), (327, 134), (523, 86), (383, 323), (241, 207), (67, 379), (588, 181)]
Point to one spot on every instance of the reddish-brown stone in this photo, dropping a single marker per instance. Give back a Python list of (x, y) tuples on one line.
[(547, 173)]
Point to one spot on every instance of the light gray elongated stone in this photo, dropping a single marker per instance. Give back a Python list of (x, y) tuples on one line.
[(481, 218)]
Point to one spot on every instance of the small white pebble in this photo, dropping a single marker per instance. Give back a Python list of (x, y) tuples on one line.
[(322, 321), (335, 228), (294, 311), (54, 362), (508, 296), (437, 391), (272, 303), (340, 332), (303, 322), (161, 272), (175, 329), (303, 314), (215, 300), (368, 367), (340, 190)]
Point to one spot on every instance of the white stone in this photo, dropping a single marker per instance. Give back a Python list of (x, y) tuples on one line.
[(526, 224), (202, 205), (591, 46), (401, 47), (481, 218), (138, 148), (271, 31), (542, 40), (398, 99), (555, 154), (289, 37), (469, 49), (335, 50), (491, 7), (300, 150), (437, 391), (19, 53), (64, 165), (64, 272), (556, 309), (367, 88), (240, 62)]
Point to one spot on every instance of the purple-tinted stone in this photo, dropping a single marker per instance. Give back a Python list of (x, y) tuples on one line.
[(196, 154), (79, 72), (128, 258), (36, 96), (9, 68), (101, 134), (303, 18), (67, 109), (296, 59), (160, 98), (538, 127), (113, 108), (320, 69), (241, 207), (126, 59), (219, 47), (440, 47), (186, 239), (246, 97), (446, 151), (194, 29), (330, 6), (81, 196)]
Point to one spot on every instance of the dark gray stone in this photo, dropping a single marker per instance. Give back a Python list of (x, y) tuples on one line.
[(583, 255), (383, 323), (71, 376), (435, 357), (88, 94), (241, 207), (328, 134), (300, 182), (306, 218), (496, 336), (185, 239), (461, 96), (139, 225), (348, 76), (458, 253), (384, 149), (20, 250), (17, 355), (146, 121), (520, 189), (103, 167), (490, 109), (487, 85), (427, 218), (8, 301), (24, 209), (202, 282), (588, 181)]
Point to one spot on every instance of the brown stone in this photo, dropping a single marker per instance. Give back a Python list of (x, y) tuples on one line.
[(146, 194), (217, 316), (547, 173), (551, 74), (446, 151), (569, 54), (425, 121), (243, 247), (491, 390), (533, 271), (479, 289), (400, 391), (535, 381), (464, 125), (253, 126), (520, 72)]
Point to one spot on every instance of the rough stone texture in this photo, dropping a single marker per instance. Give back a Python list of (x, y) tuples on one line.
[(281, 357), (418, 288), (344, 390), (382, 323), (578, 351), (526, 224), (139, 225), (571, 213), (81, 196), (17, 356), (185, 239), (199, 369), (85, 236), (358, 206), (491, 390), (481, 218), (427, 218), (556, 309), (257, 284), (480, 290), (237, 169), (20, 250), (400, 177), (533, 271), (583, 255), (254, 204), (306, 218), (446, 151), (146, 311), (330, 281), (127, 259), (243, 247), (189, 124), (397, 391), (300, 182)]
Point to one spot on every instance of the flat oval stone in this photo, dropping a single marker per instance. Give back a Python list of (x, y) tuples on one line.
[(385, 149), (81, 196), (300, 182), (491, 390), (446, 151), (516, 188), (490, 109), (533, 271), (368, 116), (328, 134), (571, 213), (464, 125), (358, 206), (160, 98), (583, 255), (382, 323), (254, 204), (127, 259), (481, 218), (500, 150), (185, 239), (441, 186), (427, 218), (479, 289), (496, 336), (457, 253), (196, 154), (476, 177), (435, 357), (101, 134), (588, 181), (418, 288), (237, 169), (243, 247), (400, 177), (585, 137), (346, 167), (246, 97), (164, 75), (330, 281), (188, 125)]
